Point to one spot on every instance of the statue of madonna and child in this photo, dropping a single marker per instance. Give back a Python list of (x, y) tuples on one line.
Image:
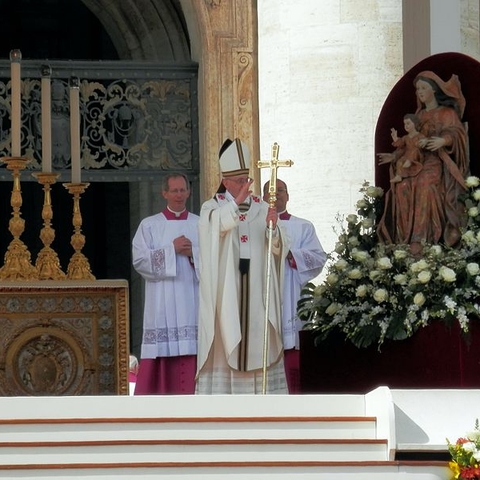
[(428, 169)]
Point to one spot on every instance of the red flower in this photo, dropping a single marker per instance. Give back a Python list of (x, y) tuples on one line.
[(470, 473)]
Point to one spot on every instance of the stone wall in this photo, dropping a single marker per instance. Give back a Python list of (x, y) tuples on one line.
[(325, 70)]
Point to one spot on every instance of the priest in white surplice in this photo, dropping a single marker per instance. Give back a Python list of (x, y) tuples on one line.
[(165, 253), (233, 256), (305, 260)]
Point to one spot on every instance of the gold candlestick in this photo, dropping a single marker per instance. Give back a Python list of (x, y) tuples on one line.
[(18, 264), (48, 264), (78, 268)]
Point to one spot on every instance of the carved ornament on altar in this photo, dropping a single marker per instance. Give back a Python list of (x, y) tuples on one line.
[(64, 338)]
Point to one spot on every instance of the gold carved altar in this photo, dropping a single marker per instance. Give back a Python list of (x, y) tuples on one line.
[(64, 338)]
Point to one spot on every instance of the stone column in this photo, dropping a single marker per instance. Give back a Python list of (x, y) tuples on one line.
[(223, 36)]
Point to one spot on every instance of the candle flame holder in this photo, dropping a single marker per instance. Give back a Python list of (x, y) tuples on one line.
[(48, 264), (78, 268), (17, 266)]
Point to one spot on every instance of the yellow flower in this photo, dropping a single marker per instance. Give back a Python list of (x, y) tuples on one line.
[(454, 467)]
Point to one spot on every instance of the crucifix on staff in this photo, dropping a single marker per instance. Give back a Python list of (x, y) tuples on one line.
[(274, 164)]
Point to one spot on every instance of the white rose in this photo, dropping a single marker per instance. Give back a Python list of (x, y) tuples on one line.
[(367, 223), (359, 255), (469, 237), (476, 195), (419, 266), (361, 290), (473, 268), (353, 241), (332, 309), (400, 279), (355, 274), (341, 264), (380, 295), (374, 274), (472, 181), (352, 218), (319, 290), (400, 254), (476, 456), (436, 250), (332, 279), (469, 447), (339, 247), (473, 212), (424, 276), (447, 274), (419, 299), (384, 263), (374, 192), (361, 203)]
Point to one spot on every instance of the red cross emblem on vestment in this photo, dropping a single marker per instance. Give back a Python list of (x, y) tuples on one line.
[(244, 238), (242, 217)]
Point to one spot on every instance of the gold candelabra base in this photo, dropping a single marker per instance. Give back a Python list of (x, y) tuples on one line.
[(17, 264), (48, 264), (78, 267)]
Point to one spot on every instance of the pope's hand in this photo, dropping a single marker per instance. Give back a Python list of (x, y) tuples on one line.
[(244, 192), (272, 216)]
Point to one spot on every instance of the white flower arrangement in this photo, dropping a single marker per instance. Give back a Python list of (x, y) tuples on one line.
[(375, 292)]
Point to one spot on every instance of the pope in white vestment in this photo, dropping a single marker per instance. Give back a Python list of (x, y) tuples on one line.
[(233, 257)]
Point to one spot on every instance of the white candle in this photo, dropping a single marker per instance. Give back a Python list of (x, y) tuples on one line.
[(46, 120), (75, 128), (15, 99)]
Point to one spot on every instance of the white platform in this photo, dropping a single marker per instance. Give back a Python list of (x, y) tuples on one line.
[(179, 437)]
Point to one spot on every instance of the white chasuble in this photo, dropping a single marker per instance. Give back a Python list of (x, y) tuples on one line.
[(230, 347)]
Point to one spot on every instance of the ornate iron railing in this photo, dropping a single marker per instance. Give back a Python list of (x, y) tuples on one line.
[(138, 120)]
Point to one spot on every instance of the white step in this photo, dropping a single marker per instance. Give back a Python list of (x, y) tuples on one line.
[(285, 471), (198, 451), (192, 428), (339, 437)]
